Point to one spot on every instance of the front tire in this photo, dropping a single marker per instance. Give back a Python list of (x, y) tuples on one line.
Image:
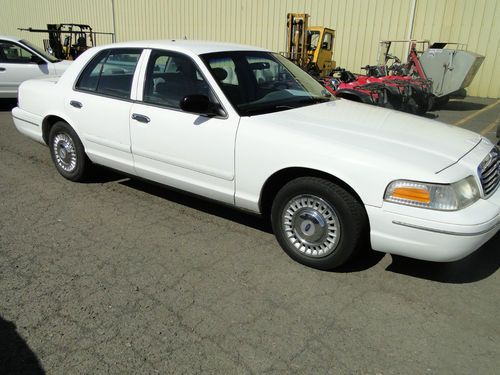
[(318, 223), (67, 151)]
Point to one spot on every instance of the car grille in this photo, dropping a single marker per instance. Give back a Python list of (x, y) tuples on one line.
[(489, 172)]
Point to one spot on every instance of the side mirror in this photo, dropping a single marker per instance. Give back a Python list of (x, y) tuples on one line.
[(38, 60), (200, 104)]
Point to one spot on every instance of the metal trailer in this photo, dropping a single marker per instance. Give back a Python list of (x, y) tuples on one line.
[(451, 70)]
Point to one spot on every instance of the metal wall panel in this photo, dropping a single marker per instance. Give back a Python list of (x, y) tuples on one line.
[(473, 23), (359, 24), (37, 14)]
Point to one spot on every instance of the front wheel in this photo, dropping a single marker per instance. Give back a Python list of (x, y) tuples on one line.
[(318, 223), (67, 152)]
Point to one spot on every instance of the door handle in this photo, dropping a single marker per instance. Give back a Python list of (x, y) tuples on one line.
[(76, 104), (2, 69), (140, 118)]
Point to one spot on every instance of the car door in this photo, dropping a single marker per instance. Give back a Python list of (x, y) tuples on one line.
[(99, 106), (186, 150), (17, 64)]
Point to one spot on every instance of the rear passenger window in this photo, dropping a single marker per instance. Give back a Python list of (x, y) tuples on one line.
[(110, 73), (170, 77)]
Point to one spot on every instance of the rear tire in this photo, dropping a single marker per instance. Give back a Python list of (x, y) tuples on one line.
[(68, 153), (318, 223)]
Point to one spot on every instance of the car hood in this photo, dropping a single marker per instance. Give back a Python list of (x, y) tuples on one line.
[(373, 130)]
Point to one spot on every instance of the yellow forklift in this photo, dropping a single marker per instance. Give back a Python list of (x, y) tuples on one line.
[(310, 47), (67, 41)]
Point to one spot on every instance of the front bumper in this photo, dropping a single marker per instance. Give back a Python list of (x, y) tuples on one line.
[(440, 236)]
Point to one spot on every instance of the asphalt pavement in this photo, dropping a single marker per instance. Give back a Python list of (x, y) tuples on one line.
[(124, 277)]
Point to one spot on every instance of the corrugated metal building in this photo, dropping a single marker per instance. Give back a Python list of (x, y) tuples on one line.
[(359, 24)]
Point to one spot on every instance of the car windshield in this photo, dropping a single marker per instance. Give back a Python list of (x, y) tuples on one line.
[(263, 82), (46, 55)]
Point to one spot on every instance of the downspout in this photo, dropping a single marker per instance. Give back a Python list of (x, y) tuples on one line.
[(409, 35), (113, 38)]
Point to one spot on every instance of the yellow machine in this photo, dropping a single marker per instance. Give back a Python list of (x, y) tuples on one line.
[(310, 47)]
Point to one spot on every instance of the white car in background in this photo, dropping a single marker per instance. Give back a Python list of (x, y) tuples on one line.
[(20, 60), (246, 127)]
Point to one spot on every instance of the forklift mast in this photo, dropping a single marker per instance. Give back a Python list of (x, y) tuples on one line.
[(296, 38), (66, 41), (310, 47)]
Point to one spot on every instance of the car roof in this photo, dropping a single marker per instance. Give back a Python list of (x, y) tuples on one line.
[(10, 38), (194, 46)]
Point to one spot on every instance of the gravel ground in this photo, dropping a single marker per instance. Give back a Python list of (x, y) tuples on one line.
[(121, 276)]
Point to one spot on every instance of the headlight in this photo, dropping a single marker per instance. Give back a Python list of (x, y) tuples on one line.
[(444, 197)]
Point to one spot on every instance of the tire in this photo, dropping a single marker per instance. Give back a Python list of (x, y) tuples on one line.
[(299, 215), (67, 152), (392, 102), (388, 105), (440, 102), (414, 108)]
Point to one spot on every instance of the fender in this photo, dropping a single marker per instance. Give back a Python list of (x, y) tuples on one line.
[(47, 120)]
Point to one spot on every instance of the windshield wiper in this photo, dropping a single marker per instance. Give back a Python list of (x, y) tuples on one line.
[(268, 109), (314, 100)]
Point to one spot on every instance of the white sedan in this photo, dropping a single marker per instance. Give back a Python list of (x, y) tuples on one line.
[(246, 127), (20, 60)]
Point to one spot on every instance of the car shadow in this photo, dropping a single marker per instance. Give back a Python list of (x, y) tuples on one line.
[(16, 357), (479, 265), (367, 259), (460, 105), (199, 204), (6, 105), (102, 175)]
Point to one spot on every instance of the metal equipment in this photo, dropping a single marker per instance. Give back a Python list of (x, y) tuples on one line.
[(451, 70), (310, 47)]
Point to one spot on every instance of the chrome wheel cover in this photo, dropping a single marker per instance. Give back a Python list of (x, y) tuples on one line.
[(311, 225), (64, 152)]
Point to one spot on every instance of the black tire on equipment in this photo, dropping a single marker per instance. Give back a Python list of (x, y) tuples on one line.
[(440, 102), (350, 213), (414, 108), (82, 162)]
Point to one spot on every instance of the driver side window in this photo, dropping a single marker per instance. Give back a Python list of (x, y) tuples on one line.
[(170, 77), (15, 54)]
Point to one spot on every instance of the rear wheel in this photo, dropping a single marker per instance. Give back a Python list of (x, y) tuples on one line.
[(318, 223), (67, 152)]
